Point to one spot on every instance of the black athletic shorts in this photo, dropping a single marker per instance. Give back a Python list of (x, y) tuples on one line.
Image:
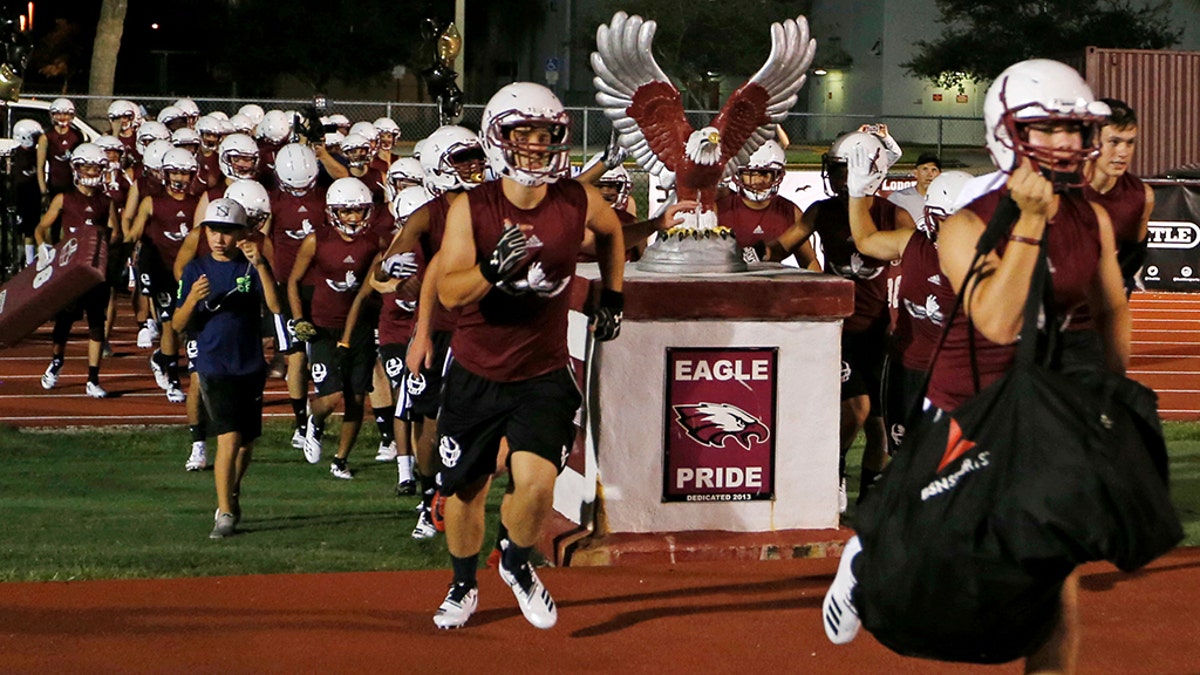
[(234, 403), (354, 374), (425, 389), (157, 282), (391, 356), (535, 415), (862, 366), (286, 344), (901, 392)]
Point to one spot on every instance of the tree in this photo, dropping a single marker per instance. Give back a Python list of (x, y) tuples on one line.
[(699, 42), (104, 54), (983, 37)]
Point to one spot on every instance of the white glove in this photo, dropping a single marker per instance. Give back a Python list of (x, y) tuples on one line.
[(864, 174), (400, 265), (45, 255)]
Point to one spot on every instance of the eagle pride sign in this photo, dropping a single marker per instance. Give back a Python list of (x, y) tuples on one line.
[(720, 424)]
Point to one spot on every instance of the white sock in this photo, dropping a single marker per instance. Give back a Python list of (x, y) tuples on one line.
[(404, 464), (30, 253)]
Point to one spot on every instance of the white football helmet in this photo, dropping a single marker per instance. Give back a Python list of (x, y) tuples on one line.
[(615, 179), (179, 160), (253, 112), (1040, 90), (186, 137), (341, 122), (526, 104), (833, 163), (62, 106), (389, 132), (452, 158), (150, 132), (348, 194), (406, 202), (108, 143), (769, 158), (357, 149), (242, 124), (88, 155), (171, 116), (405, 172), (236, 147), (275, 127), (940, 197), (333, 140), (152, 158), (364, 129), (126, 112), (26, 132), (211, 127), (253, 197), (219, 114), (296, 168), (190, 109)]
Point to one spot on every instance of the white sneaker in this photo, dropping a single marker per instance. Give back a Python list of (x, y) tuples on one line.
[(312, 443), (424, 528), (145, 339), (339, 469), (94, 390), (457, 608), (843, 498), (297, 440), (160, 374), (50, 377), (837, 611), (199, 459), (533, 598), (387, 452), (152, 326), (175, 394)]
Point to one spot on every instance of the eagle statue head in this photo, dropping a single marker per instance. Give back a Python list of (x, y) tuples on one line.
[(704, 146)]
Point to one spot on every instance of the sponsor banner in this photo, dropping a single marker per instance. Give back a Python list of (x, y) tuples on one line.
[(1173, 252), (720, 424)]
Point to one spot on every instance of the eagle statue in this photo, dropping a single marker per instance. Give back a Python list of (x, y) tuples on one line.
[(647, 114)]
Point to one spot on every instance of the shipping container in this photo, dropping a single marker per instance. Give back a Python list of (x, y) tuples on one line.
[(1164, 88)]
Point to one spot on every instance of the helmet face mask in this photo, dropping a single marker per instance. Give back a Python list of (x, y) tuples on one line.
[(348, 206), (614, 186), (238, 156), (940, 199), (178, 168), (759, 179), (526, 134), (88, 164)]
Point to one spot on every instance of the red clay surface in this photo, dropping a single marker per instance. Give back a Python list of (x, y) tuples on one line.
[(751, 617)]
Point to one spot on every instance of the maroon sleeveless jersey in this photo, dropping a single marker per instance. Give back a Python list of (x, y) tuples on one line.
[(519, 329), (292, 219), (130, 143), (925, 299), (341, 268), (169, 224), (58, 157), (626, 218), (398, 316), (443, 319), (1073, 251), (843, 258), (80, 210), (1125, 203), (751, 225), (374, 179), (147, 185), (117, 189), (209, 171)]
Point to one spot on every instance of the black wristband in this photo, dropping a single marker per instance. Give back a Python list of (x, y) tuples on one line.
[(489, 273), (760, 249), (614, 300)]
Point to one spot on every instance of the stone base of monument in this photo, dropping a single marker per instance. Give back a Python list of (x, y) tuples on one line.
[(692, 253)]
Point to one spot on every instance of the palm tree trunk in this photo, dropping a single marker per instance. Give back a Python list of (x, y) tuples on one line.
[(104, 56)]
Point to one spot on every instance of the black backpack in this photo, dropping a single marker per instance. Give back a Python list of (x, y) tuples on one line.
[(984, 512)]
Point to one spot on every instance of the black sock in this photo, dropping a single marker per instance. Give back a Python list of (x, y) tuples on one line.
[(300, 411), (515, 557), (173, 368), (464, 569), (94, 374), (383, 420), (56, 362), (428, 487), (866, 482), (198, 432), (501, 535)]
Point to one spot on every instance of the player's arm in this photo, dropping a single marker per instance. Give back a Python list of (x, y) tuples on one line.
[(356, 306), (42, 153), (41, 233), (870, 240), (1107, 301), (138, 226), (304, 258), (114, 231), (132, 201), (792, 238), (187, 250), (420, 346), (334, 168), (462, 281), (405, 240), (636, 234), (606, 228), (201, 207)]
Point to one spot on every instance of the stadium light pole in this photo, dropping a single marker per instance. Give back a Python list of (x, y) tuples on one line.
[(460, 19)]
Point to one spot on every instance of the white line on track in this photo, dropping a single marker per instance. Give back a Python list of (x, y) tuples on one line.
[(181, 417)]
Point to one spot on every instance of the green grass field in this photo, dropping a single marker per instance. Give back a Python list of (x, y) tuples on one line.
[(118, 504)]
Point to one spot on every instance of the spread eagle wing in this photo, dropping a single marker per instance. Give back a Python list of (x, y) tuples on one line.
[(644, 106), (767, 97)]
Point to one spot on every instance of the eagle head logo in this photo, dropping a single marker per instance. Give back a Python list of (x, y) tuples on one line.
[(712, 424), (704, 146)]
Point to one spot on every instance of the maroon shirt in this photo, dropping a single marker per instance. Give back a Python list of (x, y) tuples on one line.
[(925, 299), (1073, 249), (443, 319), (118, 189), (519, 329), (374, 179), (80, 210), (292, 219), (341, 268), (58, 157), (398, 316), (842, 257), (209, 172), (752, 226), (169, 224), (1125, 203)]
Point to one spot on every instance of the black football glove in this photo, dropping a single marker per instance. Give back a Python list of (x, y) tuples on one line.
[(606, 319), (506, 257)]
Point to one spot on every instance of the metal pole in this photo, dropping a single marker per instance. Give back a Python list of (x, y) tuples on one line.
[(941, 123), (586, 154), (460, 20)]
